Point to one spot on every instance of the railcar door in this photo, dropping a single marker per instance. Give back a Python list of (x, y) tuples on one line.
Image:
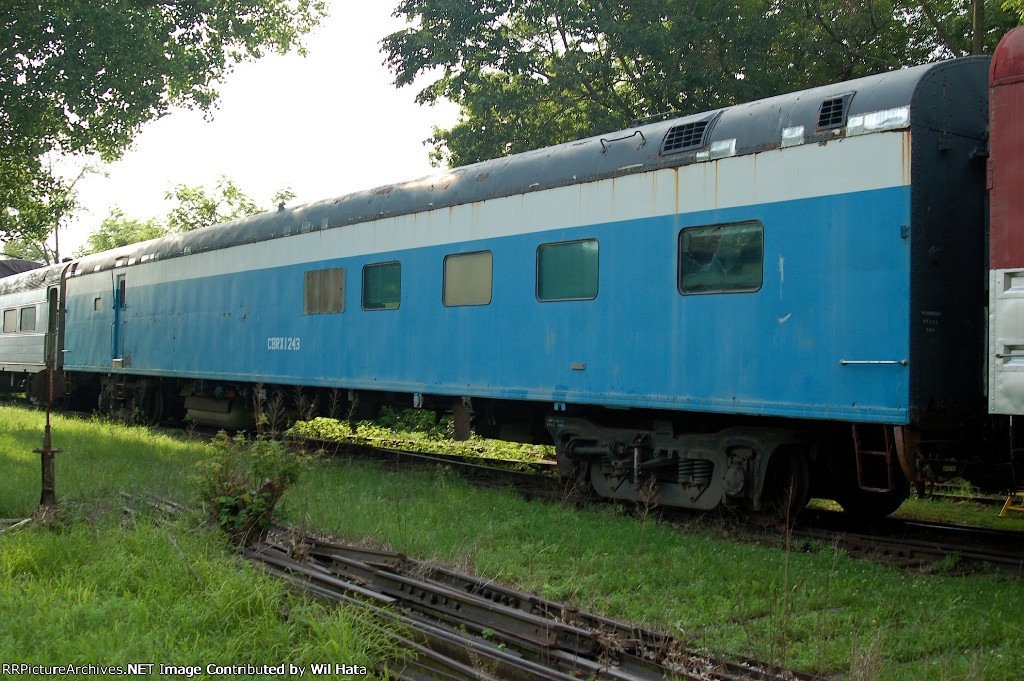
[(50, 346), (117, 331)]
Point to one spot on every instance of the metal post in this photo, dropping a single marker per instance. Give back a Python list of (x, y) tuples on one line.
[(49, 493)]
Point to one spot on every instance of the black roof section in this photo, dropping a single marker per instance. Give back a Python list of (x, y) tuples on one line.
[(9, 266), (755, 127)]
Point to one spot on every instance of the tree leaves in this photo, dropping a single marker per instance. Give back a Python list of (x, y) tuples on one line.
[(82, 76), (196, 207), (528, 73)]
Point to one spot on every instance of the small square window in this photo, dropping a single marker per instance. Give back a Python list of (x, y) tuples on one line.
[(382, 286), (28, 319), (467, 278), (97, 304), (567, 270), (10, 321)]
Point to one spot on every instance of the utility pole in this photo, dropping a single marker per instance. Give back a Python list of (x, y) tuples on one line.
[(978, 38)]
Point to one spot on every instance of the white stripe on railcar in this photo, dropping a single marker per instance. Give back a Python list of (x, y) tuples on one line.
[(864, 163)]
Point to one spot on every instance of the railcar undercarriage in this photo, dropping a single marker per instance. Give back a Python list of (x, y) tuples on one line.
[(765, 470)]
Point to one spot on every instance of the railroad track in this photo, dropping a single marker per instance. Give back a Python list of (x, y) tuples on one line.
[(911, 543), (461, 627), (919, 542)]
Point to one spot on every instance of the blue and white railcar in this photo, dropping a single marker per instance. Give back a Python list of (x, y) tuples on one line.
[(29, 303), (803, 262)]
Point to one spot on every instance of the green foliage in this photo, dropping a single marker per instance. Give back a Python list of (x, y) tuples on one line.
[(1015, 6), (241, 483), (100, 592), (28, 250), (82, 76), (418, 430), (118, 230), (99, 459), (198, 208), (810, 606), (532, 73)]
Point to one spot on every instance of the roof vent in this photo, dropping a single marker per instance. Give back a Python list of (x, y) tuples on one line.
[(685, 136), (833, 111)]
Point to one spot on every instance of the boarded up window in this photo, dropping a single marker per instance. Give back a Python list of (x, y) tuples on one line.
[(10, 321), (324, 291), (721, 258), (382, 286), (567, 271), (467, 278)]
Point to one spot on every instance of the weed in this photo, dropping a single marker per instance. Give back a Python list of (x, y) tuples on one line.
[(241, 483), (417, 430)]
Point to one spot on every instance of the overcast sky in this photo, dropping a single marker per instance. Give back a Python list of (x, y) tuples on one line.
[(324, 125)]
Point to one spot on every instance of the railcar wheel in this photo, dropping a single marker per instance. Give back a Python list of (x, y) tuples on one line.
[(785, 491), (873, 505), (152, 405)]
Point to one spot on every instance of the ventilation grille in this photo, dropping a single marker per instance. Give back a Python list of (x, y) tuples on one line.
[(832, 113), (684, 136)]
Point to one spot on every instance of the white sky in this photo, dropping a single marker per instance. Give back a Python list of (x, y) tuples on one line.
[(324, 125)]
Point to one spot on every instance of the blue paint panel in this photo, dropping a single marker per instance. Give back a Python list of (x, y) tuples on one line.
[(835, 286)]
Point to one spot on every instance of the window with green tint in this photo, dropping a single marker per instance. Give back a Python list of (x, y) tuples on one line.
[(382, 286), (567, 270), (467, 278), (721, 258), (28, 319)]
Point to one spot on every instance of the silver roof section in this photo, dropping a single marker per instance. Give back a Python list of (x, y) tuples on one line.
[(741, 129)]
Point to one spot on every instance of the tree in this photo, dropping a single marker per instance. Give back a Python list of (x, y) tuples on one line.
[(82, 77), (117, 230), (531, 73), (29, 250), (197, 207)]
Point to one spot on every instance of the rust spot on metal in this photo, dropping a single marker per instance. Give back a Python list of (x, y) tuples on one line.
[(387, 189), (482, 176)]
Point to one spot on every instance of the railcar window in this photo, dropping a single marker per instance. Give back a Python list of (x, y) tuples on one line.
[(721, 258), (97, 304), (28, 319), (382, 286), (324, 291), (567, 270), (467, 278), (10, 321)]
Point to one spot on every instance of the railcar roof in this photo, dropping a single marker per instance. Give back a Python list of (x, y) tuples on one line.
[(32, 279), (742, 129)]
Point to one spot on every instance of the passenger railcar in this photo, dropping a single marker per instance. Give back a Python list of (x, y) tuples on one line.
[(29, 303), (741, 307)]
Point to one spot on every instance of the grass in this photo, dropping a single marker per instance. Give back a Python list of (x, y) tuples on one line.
[(937, 509), (96, 593), (83, 586), (810, 607)]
